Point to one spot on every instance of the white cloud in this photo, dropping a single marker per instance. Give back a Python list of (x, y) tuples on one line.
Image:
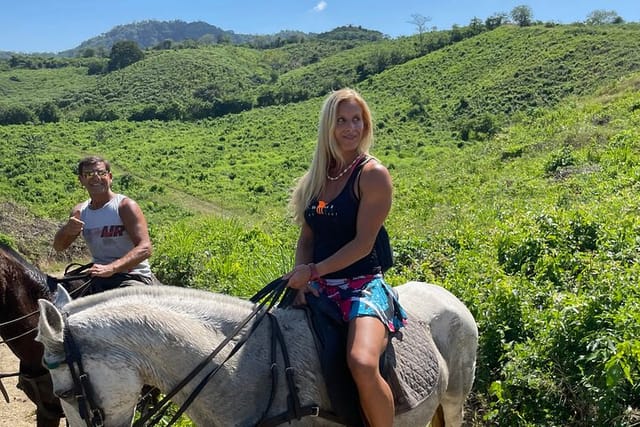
[(322, 5)]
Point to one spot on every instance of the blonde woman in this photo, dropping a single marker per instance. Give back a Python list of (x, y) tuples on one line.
[(341, 204)]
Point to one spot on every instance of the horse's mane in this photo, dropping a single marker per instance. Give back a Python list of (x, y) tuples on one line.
[(29, 269), (163, 310), (11, 253), (163, 297)]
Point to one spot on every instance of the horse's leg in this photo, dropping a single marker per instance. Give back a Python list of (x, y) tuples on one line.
[(438, 418), (40, 391), (43, 421)]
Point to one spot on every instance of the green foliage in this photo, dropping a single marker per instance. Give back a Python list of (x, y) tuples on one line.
[(532, 221), (603, 17), (48, 113), (36, 87), (16, 115), (123, 54), (350, 32), (7, 240), (559, 161), (220, 255), (522, 15), (93, 114)]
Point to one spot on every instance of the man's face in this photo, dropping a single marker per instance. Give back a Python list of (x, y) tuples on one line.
[(96, 178)]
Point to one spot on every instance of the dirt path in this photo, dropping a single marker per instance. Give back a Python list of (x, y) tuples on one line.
[(20, 412)]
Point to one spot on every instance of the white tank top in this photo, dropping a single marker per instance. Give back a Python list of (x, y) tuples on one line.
[(106, 236)]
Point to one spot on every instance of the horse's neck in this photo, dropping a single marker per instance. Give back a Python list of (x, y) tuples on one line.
[(244, 381), (19, 294), (170, 340), (170, 354)]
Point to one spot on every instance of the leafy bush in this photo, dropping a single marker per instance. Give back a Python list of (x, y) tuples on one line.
[(16, 115), (213, 254), (93, 114), (48, 113)]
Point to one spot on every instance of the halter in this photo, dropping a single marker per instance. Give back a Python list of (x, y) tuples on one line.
[(75, 274), (90, 412), (68, 276)]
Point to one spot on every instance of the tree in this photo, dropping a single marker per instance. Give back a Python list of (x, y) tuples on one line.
[(602, 17), (124, 53), (496, 20), (420, 23), (522, 15), (16, 115), (48, 113), (476, 26)]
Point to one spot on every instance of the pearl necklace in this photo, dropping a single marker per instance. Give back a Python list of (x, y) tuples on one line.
[(345, 170)]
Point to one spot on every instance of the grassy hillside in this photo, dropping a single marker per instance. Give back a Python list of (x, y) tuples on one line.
[(515, 160), (167, 77), (482, 83), (34, 87)]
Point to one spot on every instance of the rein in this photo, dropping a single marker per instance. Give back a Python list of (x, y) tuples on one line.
[(82, 390), (294, 410), (4, 390), (75, 275), (269, 295)]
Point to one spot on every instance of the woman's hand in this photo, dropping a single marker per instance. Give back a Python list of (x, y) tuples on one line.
[(298, 278)]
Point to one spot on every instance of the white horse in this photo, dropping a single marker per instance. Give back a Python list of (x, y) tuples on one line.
[(157, 335)]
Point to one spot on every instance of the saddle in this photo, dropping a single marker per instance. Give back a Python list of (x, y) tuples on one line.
[(409, 364)]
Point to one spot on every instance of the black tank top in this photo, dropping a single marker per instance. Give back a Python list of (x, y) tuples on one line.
[(334, 224)]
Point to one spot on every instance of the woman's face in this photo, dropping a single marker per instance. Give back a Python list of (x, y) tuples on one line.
[(349, 125)]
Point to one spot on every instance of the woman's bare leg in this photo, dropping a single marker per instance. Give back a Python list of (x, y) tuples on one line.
[(366, 342)]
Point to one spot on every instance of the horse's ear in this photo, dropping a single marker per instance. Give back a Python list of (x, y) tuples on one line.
[(62, 297), (50, 326)]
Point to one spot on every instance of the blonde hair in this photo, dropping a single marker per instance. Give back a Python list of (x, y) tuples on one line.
[(312, 183)]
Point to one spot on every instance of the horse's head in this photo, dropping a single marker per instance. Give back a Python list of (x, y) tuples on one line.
[(21, 284), (112, 387)]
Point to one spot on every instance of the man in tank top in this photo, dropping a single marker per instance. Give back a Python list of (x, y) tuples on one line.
[(114, 228)]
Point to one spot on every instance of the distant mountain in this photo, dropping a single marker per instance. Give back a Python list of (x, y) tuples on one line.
[(150, 33)]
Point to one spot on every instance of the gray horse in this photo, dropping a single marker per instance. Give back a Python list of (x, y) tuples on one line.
[(156, 335)]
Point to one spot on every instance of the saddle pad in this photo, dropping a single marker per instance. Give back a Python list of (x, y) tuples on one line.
[(411, 365)]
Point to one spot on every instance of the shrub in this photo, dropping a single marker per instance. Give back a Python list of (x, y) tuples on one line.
[(48, 113), (16, 115)]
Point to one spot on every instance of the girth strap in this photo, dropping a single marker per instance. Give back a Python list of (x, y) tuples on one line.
[(294, 410)]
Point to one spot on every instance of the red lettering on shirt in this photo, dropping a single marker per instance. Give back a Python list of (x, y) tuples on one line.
[(112, 231)]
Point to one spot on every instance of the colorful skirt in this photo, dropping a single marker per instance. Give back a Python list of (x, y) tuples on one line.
[(364, 296)]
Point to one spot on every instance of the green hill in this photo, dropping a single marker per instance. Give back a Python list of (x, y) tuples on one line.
[(514, 155)]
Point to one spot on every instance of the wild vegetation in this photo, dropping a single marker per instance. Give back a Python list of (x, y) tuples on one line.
[(514, 154)]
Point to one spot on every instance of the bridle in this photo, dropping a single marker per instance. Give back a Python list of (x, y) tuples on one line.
[(275, 291), (90, 412), (75, 274), (78, 292)]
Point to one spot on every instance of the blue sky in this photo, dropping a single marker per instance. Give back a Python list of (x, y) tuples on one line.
[(57, 25)]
